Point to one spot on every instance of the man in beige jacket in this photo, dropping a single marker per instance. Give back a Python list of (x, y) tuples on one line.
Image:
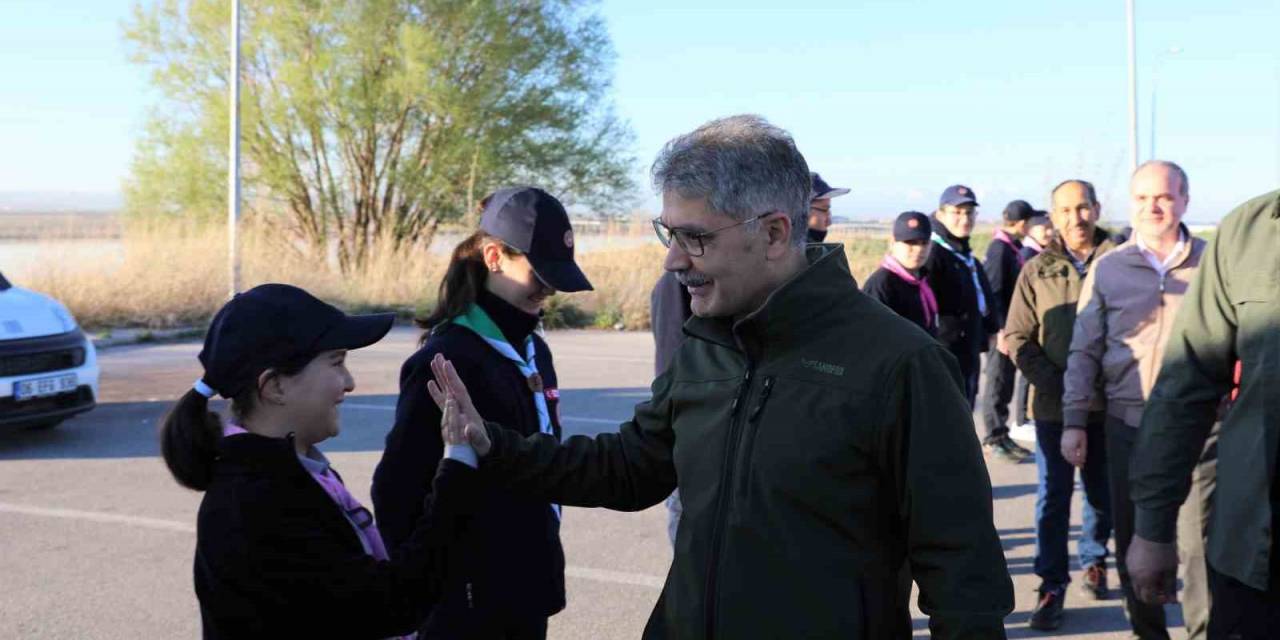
[(1123, 321)]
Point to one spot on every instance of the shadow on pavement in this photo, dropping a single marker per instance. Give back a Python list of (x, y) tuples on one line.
[(129, 429)]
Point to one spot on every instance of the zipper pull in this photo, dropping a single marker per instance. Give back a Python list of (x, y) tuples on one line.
[(739, 393), (764, 395)]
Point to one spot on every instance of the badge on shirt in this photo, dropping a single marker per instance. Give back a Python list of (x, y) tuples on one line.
[(535, 383)]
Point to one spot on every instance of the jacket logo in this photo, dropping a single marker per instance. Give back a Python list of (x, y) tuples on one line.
[(822, 367)]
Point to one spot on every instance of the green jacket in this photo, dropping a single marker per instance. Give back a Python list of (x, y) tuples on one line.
[(820, 443), (1231, 312), (1041, 319)]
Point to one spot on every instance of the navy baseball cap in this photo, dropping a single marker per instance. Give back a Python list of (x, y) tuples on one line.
[(912, 226), (821, 189), (957, 194), (535, 223), (273, 325), (1017, 211)]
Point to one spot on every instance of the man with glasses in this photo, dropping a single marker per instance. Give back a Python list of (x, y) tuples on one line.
[(820, 441), (965, 321), (669, 309), (820, 207)]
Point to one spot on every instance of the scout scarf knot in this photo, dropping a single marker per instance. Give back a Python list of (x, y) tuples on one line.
[(969, 261)]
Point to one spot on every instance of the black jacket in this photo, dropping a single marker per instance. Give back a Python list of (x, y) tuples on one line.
[(1002, 267), (899, 295), (961, 327), (516, 560), (668, 311), (277, 558)]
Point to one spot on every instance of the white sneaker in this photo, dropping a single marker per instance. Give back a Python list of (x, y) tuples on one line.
[(1025, 432)]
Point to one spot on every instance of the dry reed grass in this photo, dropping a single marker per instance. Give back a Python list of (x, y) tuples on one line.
[(175, 275)]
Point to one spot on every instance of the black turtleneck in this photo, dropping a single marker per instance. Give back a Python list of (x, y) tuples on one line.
[(516, 325), (817, 235), (956, 242)]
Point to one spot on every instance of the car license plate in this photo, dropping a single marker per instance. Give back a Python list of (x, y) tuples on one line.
[(41, 387)]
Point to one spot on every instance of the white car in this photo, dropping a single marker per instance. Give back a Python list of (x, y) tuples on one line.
[(48, 367)]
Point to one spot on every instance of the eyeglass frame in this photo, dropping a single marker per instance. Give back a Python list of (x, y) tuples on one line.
[(701, 236)]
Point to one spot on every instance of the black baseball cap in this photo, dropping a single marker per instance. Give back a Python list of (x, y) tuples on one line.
[(272, 325), (956, 195), (535, 223), (1040, 219), (912, 226), (821, 189), (1017, 211)]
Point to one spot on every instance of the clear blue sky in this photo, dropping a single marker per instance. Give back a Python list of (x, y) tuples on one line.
[(894, 99)]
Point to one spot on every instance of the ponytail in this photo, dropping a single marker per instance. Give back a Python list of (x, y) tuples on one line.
[(462, 282), (188, 439)]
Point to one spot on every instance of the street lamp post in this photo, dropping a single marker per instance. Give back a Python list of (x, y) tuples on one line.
[(1133, 86), (1155, 80)]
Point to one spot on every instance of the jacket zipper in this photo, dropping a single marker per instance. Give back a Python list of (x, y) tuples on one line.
[(1152, 369), (722, 500), (749, 436)]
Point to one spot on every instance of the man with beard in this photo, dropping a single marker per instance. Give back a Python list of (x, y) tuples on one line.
[(669, 310), (820, 441), (1038, 332), (958, 280)]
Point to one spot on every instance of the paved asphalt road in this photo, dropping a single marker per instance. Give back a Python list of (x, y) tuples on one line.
[(96, 539)]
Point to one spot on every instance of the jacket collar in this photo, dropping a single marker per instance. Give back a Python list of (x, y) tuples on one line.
[(955, 242), (253, 452), (790, 312), (1132, 252), (1102, 243)]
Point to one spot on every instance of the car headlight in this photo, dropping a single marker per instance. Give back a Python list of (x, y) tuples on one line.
[(64, 316)]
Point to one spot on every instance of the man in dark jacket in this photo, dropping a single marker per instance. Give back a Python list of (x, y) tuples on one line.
[(1004, 263), (1038, 331), (669, 309), (960, 283), (819, 440)]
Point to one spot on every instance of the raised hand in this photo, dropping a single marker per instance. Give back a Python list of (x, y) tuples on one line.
[(460, 415)]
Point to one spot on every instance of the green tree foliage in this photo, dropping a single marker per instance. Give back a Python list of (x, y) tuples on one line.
[(377, 120)]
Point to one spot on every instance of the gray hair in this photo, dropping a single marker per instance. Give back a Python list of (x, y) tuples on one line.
[(1184, 188), (743, 166)]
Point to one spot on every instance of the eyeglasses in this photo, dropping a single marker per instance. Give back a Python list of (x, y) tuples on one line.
[(692, 242)]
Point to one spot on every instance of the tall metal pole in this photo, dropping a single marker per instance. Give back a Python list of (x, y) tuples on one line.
[(233, 173), (1155, 80), (1133, 87)]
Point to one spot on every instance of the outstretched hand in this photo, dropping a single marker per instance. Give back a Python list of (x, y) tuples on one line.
[(461, 423)]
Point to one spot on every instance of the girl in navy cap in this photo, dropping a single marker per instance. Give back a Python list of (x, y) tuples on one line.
[(900, 282), (282, 548), (490, 302)]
